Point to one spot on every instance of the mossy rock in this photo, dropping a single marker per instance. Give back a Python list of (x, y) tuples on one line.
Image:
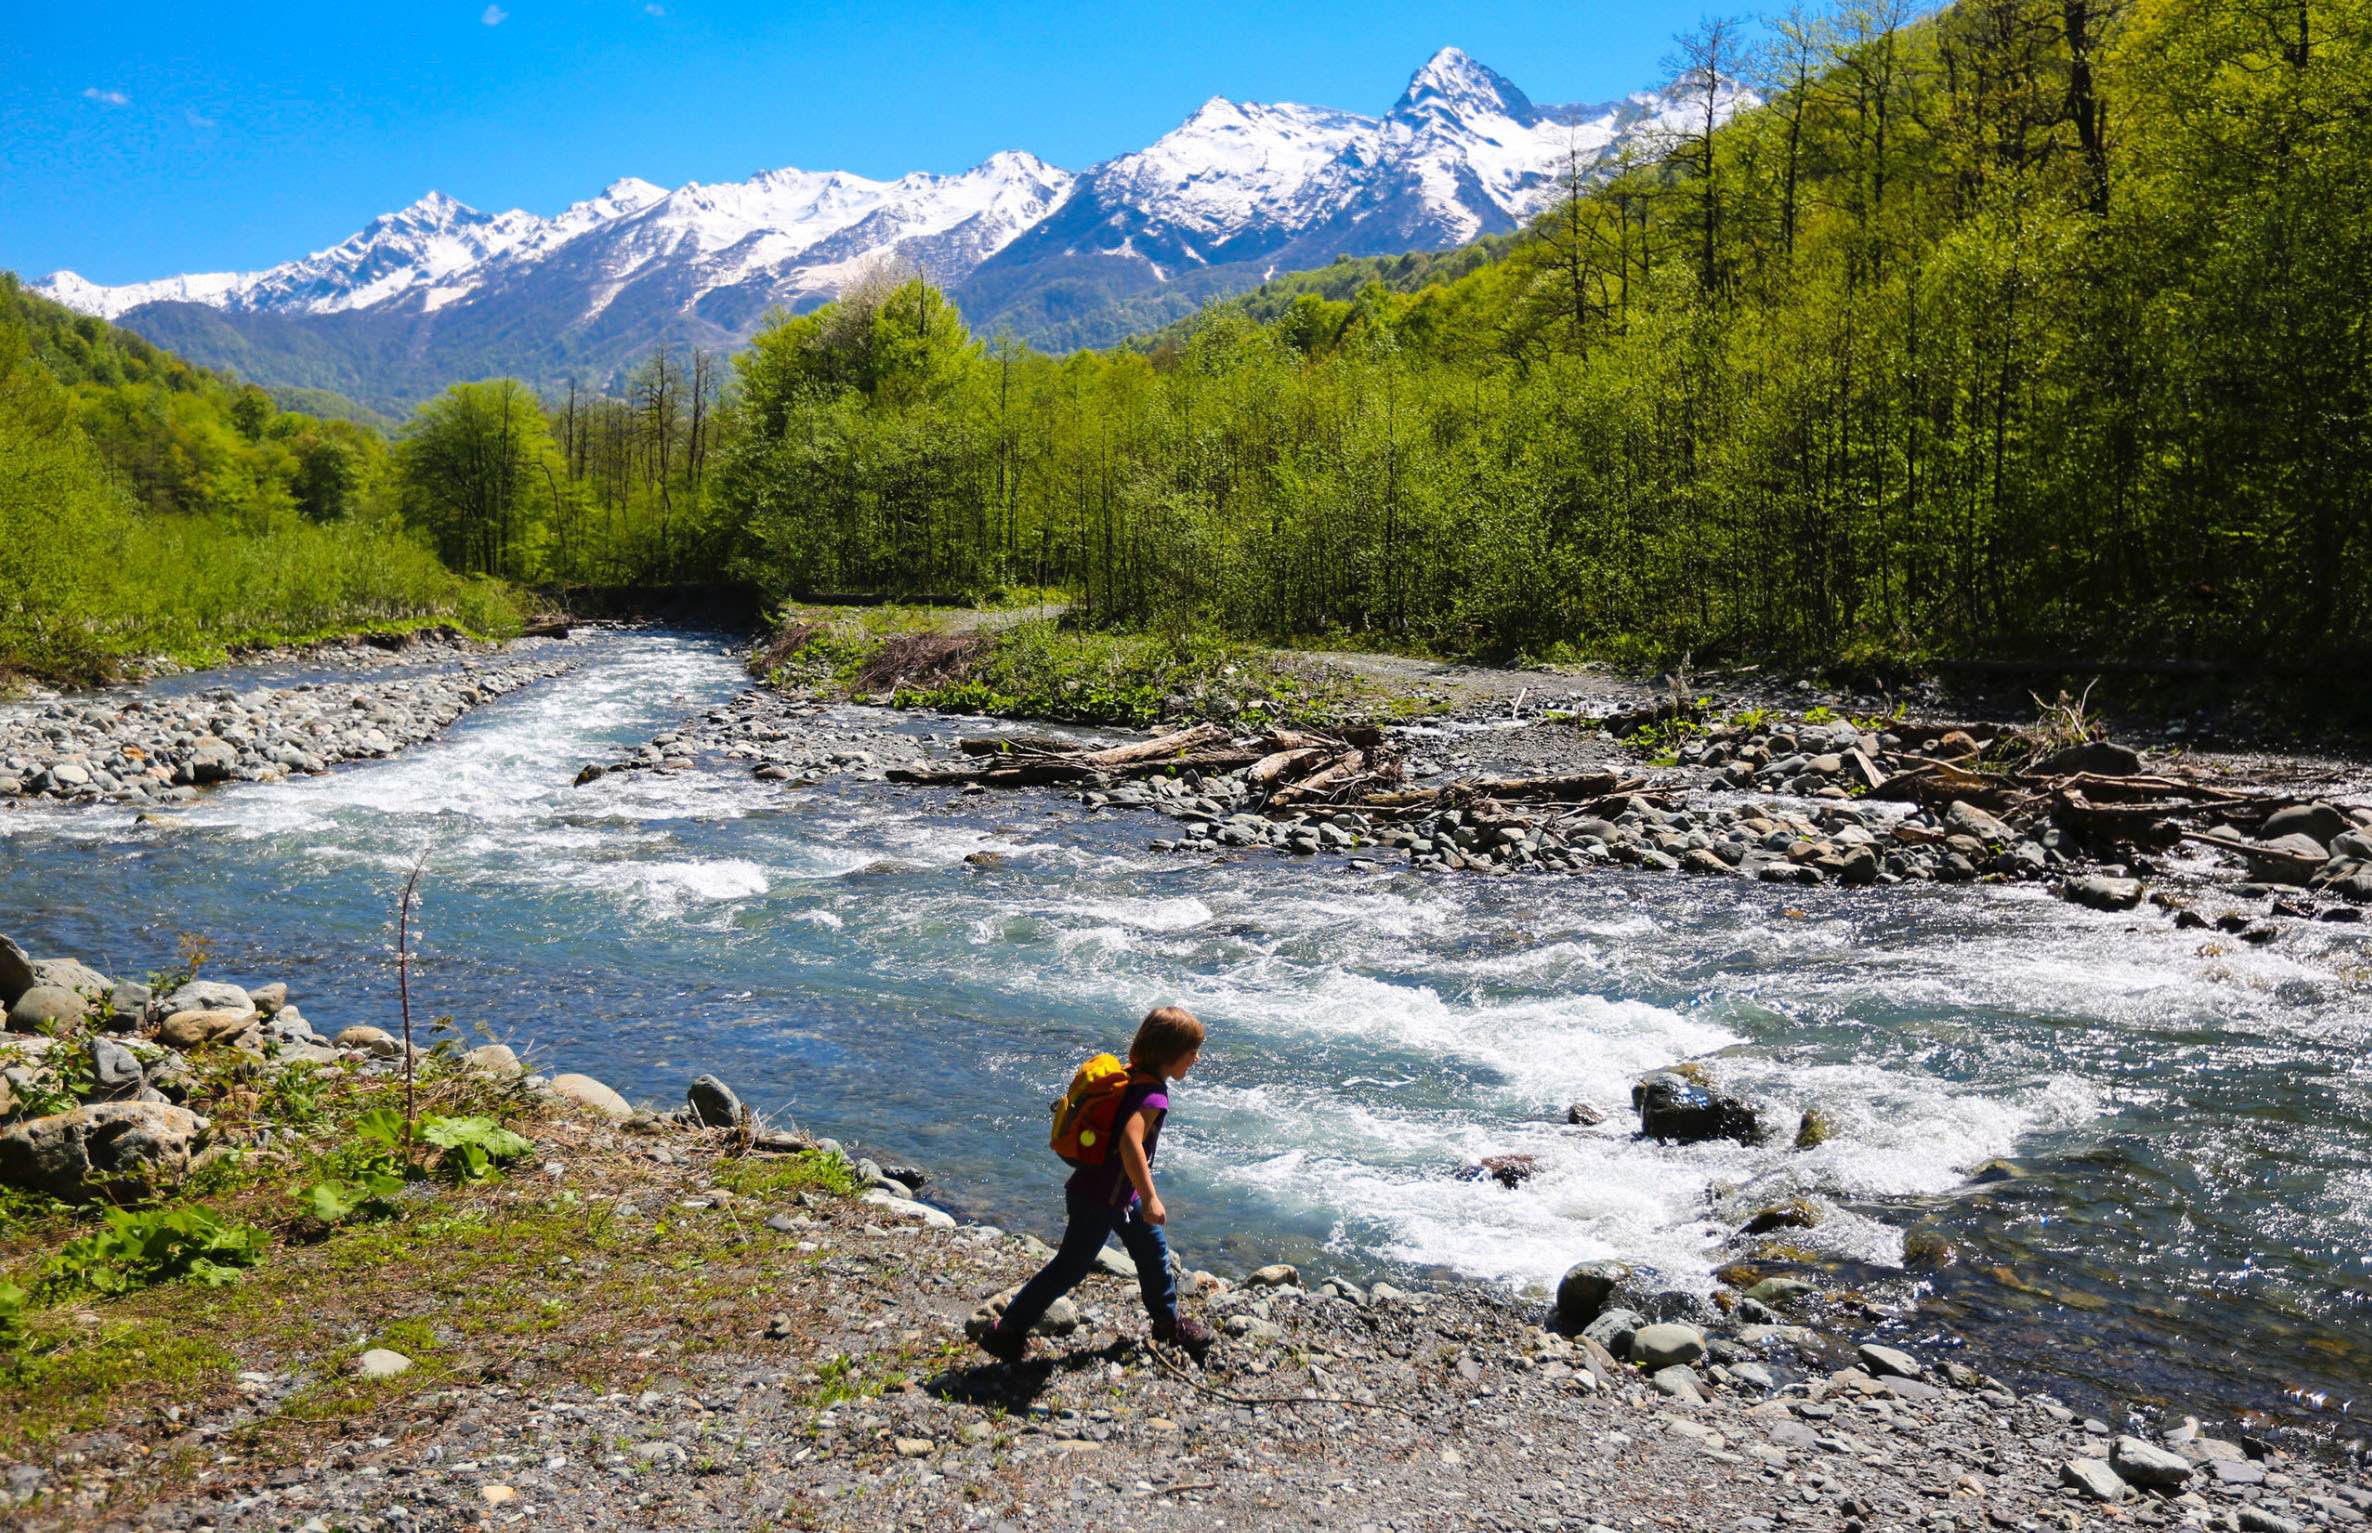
[(1813, 1129), (1929, 1248), (1739, 1275), (1791, 1214)]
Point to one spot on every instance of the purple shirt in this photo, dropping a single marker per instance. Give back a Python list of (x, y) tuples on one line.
[(1109, 1183)]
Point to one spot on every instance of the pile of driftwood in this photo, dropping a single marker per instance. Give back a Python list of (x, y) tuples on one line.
[(1283, 769)]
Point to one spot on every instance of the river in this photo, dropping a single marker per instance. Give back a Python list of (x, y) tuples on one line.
[(2194, 1225)]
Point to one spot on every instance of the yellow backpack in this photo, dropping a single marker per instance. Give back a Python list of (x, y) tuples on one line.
[(1083, 1126)]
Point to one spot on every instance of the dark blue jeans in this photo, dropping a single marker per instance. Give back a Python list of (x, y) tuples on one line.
[(1093, 1222)]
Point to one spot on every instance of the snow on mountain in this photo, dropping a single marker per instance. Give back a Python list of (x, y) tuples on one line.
[(1237, 191)]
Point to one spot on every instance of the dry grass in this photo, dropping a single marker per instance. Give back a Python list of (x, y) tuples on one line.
[(921, 661)]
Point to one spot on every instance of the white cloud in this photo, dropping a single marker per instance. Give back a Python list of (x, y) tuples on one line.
[(105, 97), (199, 119), (495, 16), (654, 10)]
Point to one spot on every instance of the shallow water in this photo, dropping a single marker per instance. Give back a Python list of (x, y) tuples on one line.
[(2194, 1226)]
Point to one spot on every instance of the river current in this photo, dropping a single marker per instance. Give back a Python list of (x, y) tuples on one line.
[(2194, 1119)]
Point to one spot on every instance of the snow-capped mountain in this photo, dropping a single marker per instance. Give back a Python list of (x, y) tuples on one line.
[(1237, 192)]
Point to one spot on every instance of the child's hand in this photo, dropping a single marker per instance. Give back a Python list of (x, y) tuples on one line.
[(1155, 1213)]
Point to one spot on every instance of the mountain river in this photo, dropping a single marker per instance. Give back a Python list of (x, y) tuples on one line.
[(2194, 1122)]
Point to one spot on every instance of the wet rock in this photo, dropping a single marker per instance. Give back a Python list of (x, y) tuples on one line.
[(1813, 1129), (1778, 1292), (1655, 1347), (1508, 1171), (2099, 892), (712, 1103), (1793, 1214), (1675, 1109), (1586, 1289), (2094, 1478), (127, 1147), (44, 1005), (2148, 1465), (585, 1091), (1583, 1115), (2320, 823), (2100, 756)]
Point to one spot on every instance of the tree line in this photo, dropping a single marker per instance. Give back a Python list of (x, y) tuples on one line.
[(2030, 327)]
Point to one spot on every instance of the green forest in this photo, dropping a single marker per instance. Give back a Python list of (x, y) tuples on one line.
[(2027, 329)]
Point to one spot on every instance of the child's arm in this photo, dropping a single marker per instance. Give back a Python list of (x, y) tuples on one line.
[(1139, 1169)]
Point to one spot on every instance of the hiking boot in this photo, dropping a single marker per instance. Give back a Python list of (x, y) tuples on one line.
[(1192, 1335), (1006, 1346)]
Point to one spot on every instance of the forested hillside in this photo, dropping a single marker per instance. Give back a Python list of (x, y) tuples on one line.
[(146, 506), (2036, 327)]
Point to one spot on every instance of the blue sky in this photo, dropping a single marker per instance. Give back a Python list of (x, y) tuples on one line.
[(139, 140)]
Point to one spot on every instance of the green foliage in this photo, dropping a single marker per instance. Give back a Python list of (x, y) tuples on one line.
[(1820, 713), (1038, 670), (195, 948), (141, 1247), (473, 1146)]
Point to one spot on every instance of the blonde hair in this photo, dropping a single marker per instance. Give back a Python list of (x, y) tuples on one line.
[(1167, 1034)]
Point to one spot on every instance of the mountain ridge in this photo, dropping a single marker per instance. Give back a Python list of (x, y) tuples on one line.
[(1235, 194)]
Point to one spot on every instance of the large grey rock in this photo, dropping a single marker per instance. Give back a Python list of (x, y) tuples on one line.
[(16, 972), (44, 1004), (115, 1071), (1656, 1347), (1889, 1362), (2094, 1478), (1613, 1329), (107, 1146), (1779, 1292), (71, 974), (1586, 1289), (1966, 819), (1679, 1381), (2100, 892), (2294, 845), (712, 1102), (2148, 1465), (2355, 845), (2109, 760), (207, 995)]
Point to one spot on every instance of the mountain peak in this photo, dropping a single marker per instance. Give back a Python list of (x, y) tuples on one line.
[(1453, 84)]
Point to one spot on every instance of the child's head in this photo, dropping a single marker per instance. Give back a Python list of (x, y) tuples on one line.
[(1167, 1041)]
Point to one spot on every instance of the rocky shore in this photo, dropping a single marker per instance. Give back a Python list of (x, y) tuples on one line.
[(147, 748), (688, 1319)]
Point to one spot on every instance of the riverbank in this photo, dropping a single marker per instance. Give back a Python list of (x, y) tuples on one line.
[(690, 1320)]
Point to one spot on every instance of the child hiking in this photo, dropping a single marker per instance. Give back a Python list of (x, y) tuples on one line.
[(1108, 1126)]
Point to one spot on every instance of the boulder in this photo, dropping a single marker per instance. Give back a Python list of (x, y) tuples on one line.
[(1614, 1328), (374, 1041), (16, 972), (71, 974), (2101, 756), (907, 1208), (2295, 844), (2099, 892), (2094, 1478), (106, 1146), (187, 1030), (130, 1001), (1779, 1292), (585, 1091), (1583, 1115), (1586, 1289), (268, 999), (2320, 823), (712, 1103), (1889, 1362), (1674, 1109), (493, 1059), (207, 995), (2148, 1465), (382, 1363), (1679, 1381), (1966, 819), (115, 1071), (1656, 1347), (43, 1005), (1275, 1275), (2354, 845)]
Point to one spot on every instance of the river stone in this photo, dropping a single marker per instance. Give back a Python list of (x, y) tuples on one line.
[(1889, 1362), (2296, 845), (382, 1363), (492, 1059), (43, 1005), (186, 1030), (585, 1091), (2100, 892), (1672, 1108), (1614, 1328), (374, 1041), (1274, 1275), (71, 974), (2355, 845), (2148, 1465), (2100, 756), (115, 1071), (2094, 1478), (1966, 819), (268, 999), (1655, 1347), (1585, 1290), (133, 1146), (712, 1102), (16, 972), (2321, 823), (907, 1208), (130, 1001), (1678, 1381), (207, 995)]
